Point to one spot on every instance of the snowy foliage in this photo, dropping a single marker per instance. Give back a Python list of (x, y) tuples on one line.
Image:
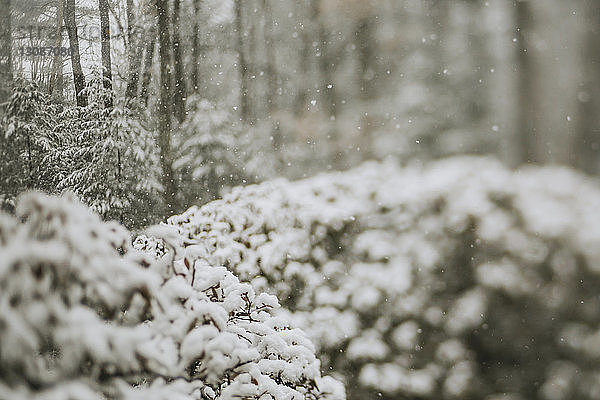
[(84, 315), (456, 280), (25, 129), (110, 159), (208, 156), (100, 153)]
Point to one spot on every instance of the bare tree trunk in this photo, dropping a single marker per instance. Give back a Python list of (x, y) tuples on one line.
[(271, 73), (180, 89), (134, 52), (502, 86), (526, 127), (55, 87), (164, 117), (270, 56), (252, 60), (328, 89), (148, 61), (327, 63), (302, 87), (6, 75), (78, 77), (588, 141), (105, 43), (242, 63), (300, 100), (196, 47), (366, 53)]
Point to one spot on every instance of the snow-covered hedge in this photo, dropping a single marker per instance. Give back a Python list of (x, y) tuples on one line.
[(456, 280), (84, 315)]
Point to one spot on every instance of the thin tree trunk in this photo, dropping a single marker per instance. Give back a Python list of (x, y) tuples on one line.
[(55, 87), (364, 45), (78, 77), (306, 37), (148, 62), (588, 141), (300, 100), (242, 63), (437, 18), (196, 47), (6, 75), (327, 69), (164, 117), (105, 43), (134, 53), (326, 62), (271, 73), (180, 89), (526, 129), (252, 57), (366, 54)]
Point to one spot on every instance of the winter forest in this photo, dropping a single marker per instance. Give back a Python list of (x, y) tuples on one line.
[(299, 199)]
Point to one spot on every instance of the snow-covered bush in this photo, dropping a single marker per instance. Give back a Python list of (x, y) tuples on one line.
[(455, 280), (84, 315)]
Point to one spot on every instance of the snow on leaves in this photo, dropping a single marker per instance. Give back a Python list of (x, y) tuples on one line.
[(402, 276), (85, 315)]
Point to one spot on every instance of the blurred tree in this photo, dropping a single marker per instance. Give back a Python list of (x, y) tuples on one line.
[(106, 58), (196, 51), (527, 75), (550, 88), (148, 63), (179, 86), (271, 76), (303, 25), (164, 105), (588, 142), (134, 52), (55, 87), (327, 71), (242, 63), (367, 54), (6, 74), (78, 77)]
